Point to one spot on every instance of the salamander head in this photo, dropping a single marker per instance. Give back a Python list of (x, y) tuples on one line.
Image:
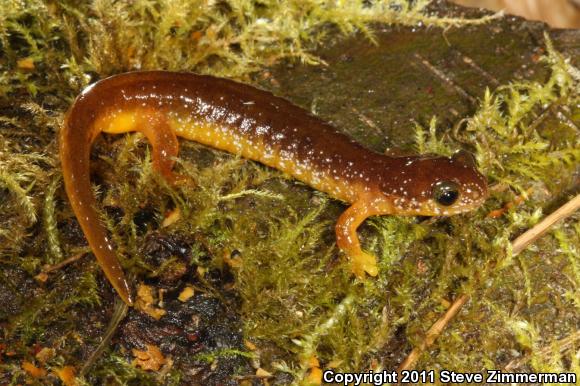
[(436, 186)]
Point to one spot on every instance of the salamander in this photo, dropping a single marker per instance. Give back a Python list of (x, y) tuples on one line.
[(257, 125)]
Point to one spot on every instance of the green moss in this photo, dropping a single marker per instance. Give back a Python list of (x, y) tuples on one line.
[(21, 173), (229, 38), (116, 370), (50, 222), (219, 354)]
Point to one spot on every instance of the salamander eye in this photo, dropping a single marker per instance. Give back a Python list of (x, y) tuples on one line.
[(446, 192)]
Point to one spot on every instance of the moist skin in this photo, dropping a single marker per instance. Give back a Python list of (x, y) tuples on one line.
[(255, 124)]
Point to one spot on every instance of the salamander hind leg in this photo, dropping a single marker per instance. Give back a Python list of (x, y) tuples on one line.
[(155, 126), (347, 239), (164, 143)]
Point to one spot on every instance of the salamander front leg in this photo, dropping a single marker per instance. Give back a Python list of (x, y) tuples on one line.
[(347, 239)]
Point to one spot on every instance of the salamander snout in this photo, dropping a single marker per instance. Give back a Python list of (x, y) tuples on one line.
[(435, 186)]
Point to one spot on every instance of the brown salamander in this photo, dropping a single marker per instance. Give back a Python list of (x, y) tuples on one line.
[(257, 125)]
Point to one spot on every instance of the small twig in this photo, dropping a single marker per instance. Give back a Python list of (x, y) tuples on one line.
[(445, 79), (563, 116), (62, 264), (43, 274), (518, 245), (540, 118), (432, 334), (119, 313), (565, 344), (366, 120), (471, 63), (555, 111), (542, 227)]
